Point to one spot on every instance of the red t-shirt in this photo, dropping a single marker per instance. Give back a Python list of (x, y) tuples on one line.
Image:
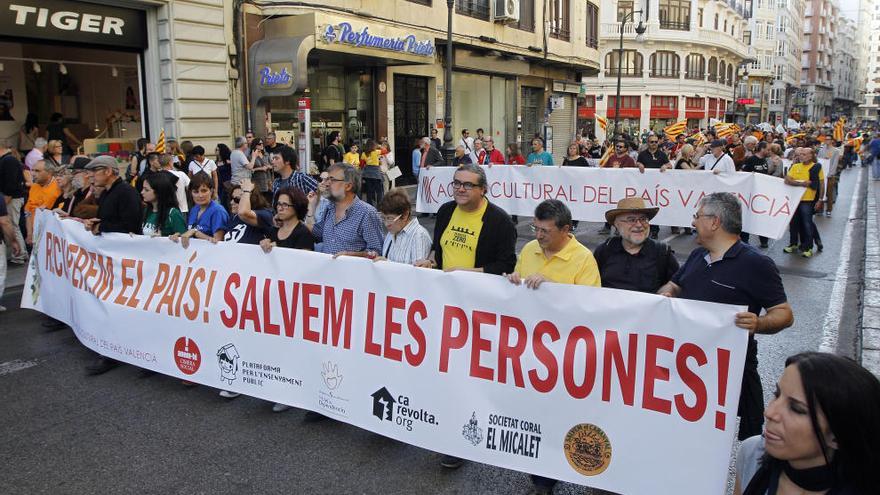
[(516, 160)]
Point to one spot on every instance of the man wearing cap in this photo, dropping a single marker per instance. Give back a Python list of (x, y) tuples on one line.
[(726, 270), (119, 207), (717, 160), (82, 185), (632, 260)]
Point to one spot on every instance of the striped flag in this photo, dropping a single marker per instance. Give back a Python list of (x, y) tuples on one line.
[(602, 121), (723, 130), (838, 129), (790, 139), (856, 143), (606, 156), (673, 130), (160, 145)]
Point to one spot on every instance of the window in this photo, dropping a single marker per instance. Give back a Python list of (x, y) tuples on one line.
[(675, 14), (695, 67), (725, 25), (730, 75), (559, 14), (776, 96), (624, 9), (747, 37), (713, 69), (592, 25), (716, 22), (631, 63), (630, 102), (664, 64), (780, 48), (526, 15), (694, 103), (665, 102), (473, 8), (722, 70), (700, 17)]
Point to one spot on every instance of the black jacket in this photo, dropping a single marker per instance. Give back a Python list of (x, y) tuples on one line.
[(119, 209), (11, 177), (496, 246)]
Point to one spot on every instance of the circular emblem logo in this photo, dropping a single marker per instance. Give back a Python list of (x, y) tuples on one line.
[(587, 449), (187, 355)]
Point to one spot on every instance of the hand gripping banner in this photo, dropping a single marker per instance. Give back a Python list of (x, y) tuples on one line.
[(629, 392)]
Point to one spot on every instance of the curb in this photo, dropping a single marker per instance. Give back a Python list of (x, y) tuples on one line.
[(871, 290)]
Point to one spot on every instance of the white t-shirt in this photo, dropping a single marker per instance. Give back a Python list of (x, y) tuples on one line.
[(208, 166), (182, 185), (725, 163)]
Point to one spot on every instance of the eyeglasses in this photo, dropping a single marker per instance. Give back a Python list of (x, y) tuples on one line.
[(539, 230), (332, 179), (282, 205), (236, 199), (653, 142), (389, 220), (467, 186), (698, 215), (632, 220)]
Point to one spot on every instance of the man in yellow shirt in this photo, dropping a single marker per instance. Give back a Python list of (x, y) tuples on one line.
[(809, 175), (555, 255), (42, 194)]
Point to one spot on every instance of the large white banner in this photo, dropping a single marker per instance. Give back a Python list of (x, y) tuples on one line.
[(767, 203), (632, 392)]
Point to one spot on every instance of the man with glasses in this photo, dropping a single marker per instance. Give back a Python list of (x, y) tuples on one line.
[(555, 255), (471, 233), (347, 224), (620, 158), (633, 261), (492, 155), (726, 270), (652, 156)]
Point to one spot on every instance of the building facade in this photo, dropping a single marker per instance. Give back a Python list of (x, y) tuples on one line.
[(816, 97), (120, 70), (786, 67), (844, 72), (371, 69), (685, 68), (869, 23)]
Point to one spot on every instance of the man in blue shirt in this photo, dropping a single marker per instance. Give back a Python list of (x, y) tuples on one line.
[(874, 148), (539, 156), (284, 162), (725, 270), (347, 225)]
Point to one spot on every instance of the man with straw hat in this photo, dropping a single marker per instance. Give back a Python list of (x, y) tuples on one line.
[(632, 260)]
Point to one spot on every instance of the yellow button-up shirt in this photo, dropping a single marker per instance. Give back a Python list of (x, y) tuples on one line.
[(574, 264)]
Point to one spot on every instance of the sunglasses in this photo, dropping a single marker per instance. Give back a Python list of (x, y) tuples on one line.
[(236, 199)]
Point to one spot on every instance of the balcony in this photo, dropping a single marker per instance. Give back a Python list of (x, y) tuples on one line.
[(701, 36)]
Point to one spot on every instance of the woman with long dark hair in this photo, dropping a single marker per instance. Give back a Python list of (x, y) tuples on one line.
[(821, 435), (162, 216)]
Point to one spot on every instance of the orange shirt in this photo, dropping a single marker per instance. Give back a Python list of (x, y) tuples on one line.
[(42, 196)]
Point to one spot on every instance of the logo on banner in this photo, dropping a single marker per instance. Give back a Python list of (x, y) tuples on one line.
[(511, 435), (330, 400), (471, 431), (399, 410), (187, 355), (587, 449), (227, 359)]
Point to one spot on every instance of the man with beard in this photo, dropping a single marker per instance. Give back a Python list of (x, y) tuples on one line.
[(347, 224), (633, 261)]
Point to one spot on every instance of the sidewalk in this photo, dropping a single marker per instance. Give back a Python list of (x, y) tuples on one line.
[(871, 291), (15, 275)]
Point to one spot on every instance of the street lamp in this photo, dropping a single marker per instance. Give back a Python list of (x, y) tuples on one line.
[(640, 36), (448, 147), (745, 77)]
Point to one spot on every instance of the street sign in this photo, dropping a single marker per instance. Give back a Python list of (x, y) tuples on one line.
[(746, 101)]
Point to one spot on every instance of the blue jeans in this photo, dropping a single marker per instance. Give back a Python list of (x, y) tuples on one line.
[(875, 168), (802, 227)]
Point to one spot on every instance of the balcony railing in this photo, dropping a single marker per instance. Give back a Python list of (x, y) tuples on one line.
[(664, 73), (677, 26), (625, 72)]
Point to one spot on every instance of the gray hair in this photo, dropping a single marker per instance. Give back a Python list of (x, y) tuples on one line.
[(725, 206), (426, 140), (40, 142), (750, 140), (240, 141), (553, 209), (475, 169), (351, 176)]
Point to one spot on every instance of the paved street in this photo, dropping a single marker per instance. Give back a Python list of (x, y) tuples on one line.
[(67, 433)]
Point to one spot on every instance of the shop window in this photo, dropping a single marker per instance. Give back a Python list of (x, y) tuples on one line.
[(624, 10), (559, 19), (713, 69), (664, 64), (695, 67), (630, 64), (592, 25), (664, 102), (675, 14), (473, 8), (526, 15)]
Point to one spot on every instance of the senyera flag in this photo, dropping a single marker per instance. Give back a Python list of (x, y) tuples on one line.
[(629, 392)]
